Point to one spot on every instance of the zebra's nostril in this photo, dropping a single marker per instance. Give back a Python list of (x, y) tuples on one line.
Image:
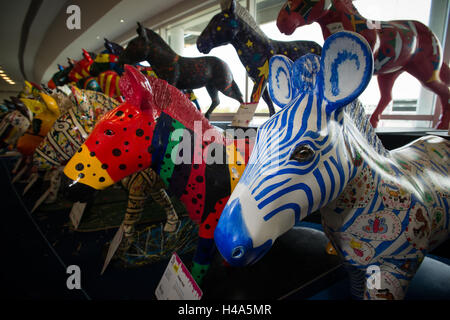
[(237, 252)]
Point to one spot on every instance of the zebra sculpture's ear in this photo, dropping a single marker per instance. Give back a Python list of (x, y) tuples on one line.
[(306, 71), (81, 99), (347, 67), (281, 88), (136, 88)]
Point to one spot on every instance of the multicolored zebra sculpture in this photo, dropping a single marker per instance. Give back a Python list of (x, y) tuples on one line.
[(236, 26), (65, 138), (182, 72), (381, 209), (159, 128), (397, 46)]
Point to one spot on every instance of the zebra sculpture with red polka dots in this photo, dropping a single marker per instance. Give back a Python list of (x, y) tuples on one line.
[(158, 127)]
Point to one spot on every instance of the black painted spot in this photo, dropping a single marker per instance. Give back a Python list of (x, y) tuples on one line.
[(122, 167), (130, 116), (140, 157), (116, 152), (139, 132), (104, 166), (101, 179), (167, 155), (147, 138), (79, 167), (88, 165), (81, 149), (92, 154), (124, 129), (149, 123), (194, 201), (97, 142), (199, 196), (81, 175), (119, 113), (207, 226), (199, 179), (126, 143), (150, 149), (196, 166), (140, 165)]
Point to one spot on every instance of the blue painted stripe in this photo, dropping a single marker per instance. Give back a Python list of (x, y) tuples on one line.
[(340, 170), (270, 188), (331, 175), (293, 206), (321, 183), (295, 187), (403, 247), (289, 171)]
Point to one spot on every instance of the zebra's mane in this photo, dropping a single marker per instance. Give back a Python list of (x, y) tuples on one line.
[(242, 13), (361, 121)]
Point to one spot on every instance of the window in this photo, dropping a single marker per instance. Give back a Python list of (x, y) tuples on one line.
[(410, 98)]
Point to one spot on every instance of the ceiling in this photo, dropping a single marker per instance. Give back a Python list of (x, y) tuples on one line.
[(35, 32)]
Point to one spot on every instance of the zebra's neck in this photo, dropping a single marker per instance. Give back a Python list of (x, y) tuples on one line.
[(360, 121)]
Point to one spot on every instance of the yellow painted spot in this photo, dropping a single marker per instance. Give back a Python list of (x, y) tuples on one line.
[(236, 171), (330, 249), (434, 76), (83, 168), (264, 70), (249, 43), (295, 49), (219, 28), (239, 52), (271, 51), (285, 52), (313, 50), (226, 15)]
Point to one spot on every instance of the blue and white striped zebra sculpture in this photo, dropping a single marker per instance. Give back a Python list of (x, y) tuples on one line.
[(380, 209)]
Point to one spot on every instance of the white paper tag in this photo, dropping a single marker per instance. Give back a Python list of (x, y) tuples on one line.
[(177, 282), (115, 242), (77, 212), (335, 27), (244, 115)]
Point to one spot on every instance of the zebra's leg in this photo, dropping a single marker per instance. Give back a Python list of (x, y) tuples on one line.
[(390, 282), (159, 195), (269, 102), (55, 183), (202, 259), (385, 84), (214, 94), (357, 278), (137, 195)]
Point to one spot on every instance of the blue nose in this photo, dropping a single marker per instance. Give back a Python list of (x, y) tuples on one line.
[(233, 240)]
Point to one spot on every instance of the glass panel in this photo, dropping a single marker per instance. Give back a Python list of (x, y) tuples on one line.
[(192, 29)]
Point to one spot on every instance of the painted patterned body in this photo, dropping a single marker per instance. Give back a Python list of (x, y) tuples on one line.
[(159, 128), (234, 25), (397, 46), (379, 208), (182, 72)]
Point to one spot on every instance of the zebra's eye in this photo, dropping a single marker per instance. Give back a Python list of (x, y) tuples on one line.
[(109, 132), (302, 153)]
